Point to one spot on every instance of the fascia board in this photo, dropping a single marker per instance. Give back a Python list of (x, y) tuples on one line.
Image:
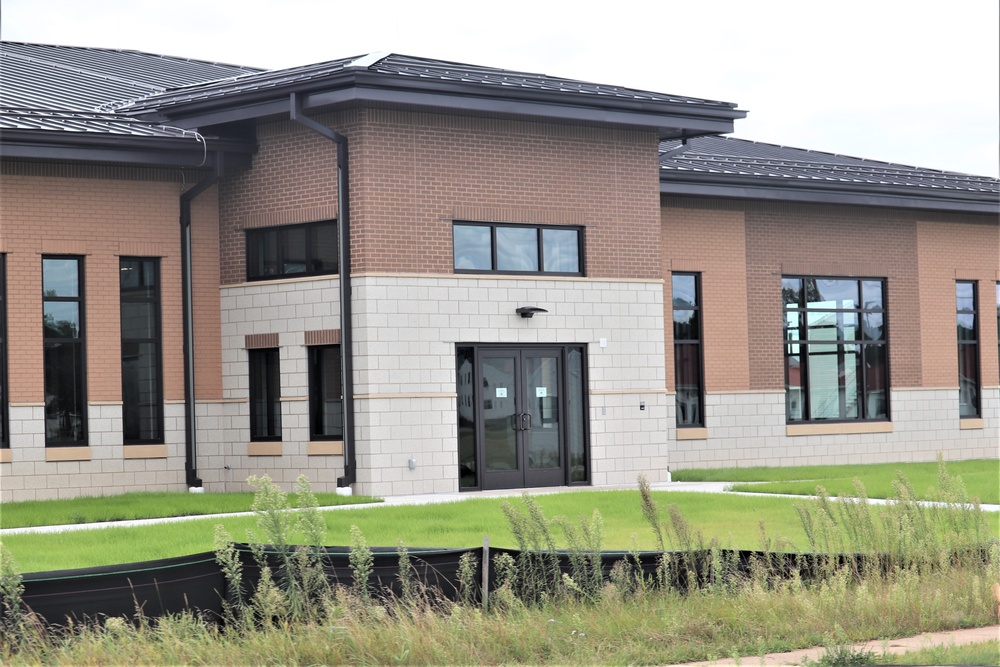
[(970, 203), (136, 150)]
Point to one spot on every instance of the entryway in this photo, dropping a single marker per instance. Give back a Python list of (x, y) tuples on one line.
[(522, 416)]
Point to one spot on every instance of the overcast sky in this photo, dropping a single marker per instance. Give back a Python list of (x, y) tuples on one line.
[(909, 81)]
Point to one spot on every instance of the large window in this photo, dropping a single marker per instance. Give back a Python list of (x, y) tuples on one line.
[(4, 424), (688, 374), (63, 351), (968, 348), (998, 320), (519, 249), (292, 250), (836, 349), (142, 381), (265, 394), (326, 397)]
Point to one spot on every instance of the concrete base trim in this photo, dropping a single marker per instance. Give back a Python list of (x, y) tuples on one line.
[(53, 454), (264, 448), (145, 452), (838, 429), (325, 448), (692, 434), (971, 424)]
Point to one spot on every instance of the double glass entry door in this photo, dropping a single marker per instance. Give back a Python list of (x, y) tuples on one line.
[(522, 421)]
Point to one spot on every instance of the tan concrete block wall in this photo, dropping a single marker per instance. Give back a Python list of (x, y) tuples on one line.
[(708, 237), (950, 250)]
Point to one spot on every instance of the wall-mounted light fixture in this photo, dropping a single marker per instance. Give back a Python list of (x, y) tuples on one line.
[(527, 312)]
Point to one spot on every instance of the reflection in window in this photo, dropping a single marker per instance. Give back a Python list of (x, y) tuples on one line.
[(500, 248), (142, 380), (265, 394), (326, 396), (686, 297), (292, 251), (968, 348), (63, 351), (836, 357)]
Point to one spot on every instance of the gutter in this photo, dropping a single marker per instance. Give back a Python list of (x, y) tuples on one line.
[(187, 298), (344, 241)]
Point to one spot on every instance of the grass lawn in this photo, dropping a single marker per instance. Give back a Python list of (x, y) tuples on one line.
[(734, 520), (980, 477), (129, 506)]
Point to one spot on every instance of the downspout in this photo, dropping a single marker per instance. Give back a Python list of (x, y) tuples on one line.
[(344, 241), (187, 299)]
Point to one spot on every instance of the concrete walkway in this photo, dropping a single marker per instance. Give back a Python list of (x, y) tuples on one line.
[(893, 647), (434, 498)]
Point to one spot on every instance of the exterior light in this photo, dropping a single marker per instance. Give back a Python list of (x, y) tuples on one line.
[(527, 312)]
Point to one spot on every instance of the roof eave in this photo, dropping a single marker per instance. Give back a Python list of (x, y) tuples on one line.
[(859, 195), (145, 151)]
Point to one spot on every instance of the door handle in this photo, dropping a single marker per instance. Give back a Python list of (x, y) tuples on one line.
[(525, 416)]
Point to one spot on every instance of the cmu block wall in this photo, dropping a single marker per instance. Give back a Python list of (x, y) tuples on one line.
[(101, 213)]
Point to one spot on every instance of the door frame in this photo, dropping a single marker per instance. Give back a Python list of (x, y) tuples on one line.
[(517, 479)]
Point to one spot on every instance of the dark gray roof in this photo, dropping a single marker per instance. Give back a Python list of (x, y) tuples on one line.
[(44, 76), (88, 122), (409, 67), (730, 167)]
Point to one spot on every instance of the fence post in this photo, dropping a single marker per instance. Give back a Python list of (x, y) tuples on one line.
[(486, 571)]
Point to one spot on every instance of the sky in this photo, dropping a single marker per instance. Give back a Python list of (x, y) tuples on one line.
[(915, 82)]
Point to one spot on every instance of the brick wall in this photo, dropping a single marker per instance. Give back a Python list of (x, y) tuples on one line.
[(708, 237), (413, 173)]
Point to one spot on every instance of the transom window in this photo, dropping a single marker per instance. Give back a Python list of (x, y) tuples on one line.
[(836, 349), (292, 251), (519, 249)]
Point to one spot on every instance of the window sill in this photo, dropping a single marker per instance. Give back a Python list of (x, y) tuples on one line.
[(55, 454), (145, 452), (325, 448), (972, 424), (692, 434), (5, 456), (265, 448), (838, 429)]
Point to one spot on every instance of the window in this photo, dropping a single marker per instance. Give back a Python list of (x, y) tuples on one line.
[(4, 424), (968, 348), (265, 394), (495, 248), (686, 288), (998, 320), (836, 354), (63, 351), (142, 381), (326, 398), (292, 251)]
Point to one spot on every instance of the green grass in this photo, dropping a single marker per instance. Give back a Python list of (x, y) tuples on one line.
[(978, 653), (130, 506), (733, 519), (980, 477)]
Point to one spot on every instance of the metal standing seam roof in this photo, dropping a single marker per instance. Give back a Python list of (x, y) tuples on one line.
[(716, 158), (86, 123), (409, 67)]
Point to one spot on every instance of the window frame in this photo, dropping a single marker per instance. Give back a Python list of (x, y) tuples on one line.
[(156, 340), (4, 388), (270, 357), (974, 344), (79, 341), (698, 309), (253, 239), (540, 245), (315, 354), (804, 343)]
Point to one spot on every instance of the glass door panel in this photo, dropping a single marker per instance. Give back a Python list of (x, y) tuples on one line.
[(541, 375), (499, 411)]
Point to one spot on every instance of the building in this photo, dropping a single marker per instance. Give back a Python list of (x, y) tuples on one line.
[(552, 282)]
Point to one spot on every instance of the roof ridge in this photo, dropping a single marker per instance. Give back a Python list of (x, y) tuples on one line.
[(366, 61)]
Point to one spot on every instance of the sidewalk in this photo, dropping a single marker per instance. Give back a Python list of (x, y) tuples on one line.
[(893, 647)]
